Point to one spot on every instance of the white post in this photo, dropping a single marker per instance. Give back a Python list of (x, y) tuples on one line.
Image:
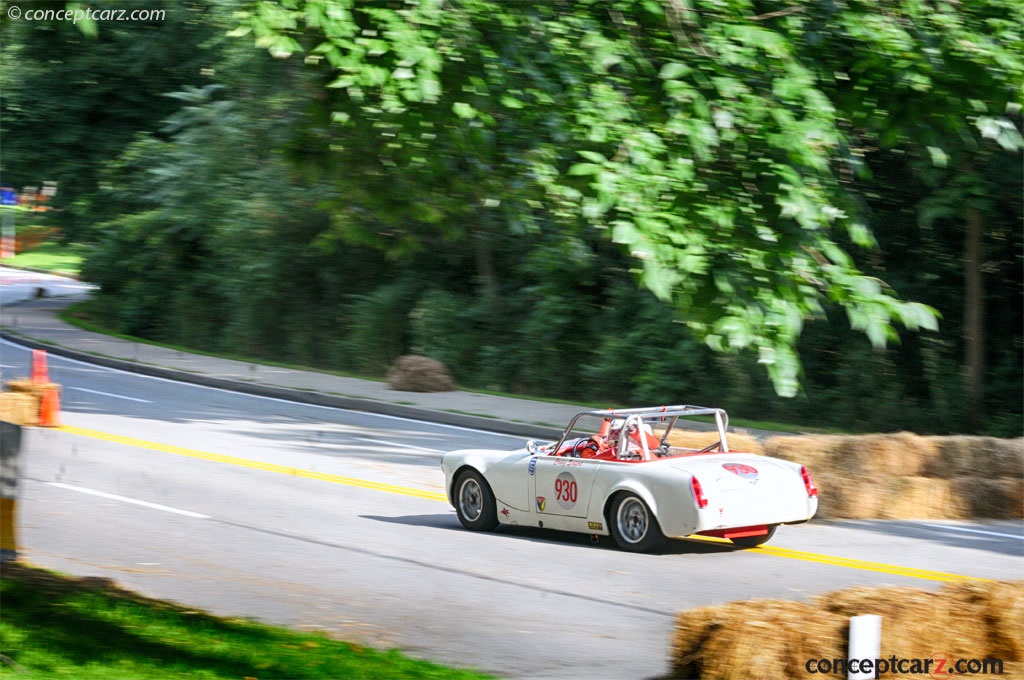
[(865, 647)]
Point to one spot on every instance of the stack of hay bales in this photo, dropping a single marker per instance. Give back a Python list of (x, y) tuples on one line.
[(20, 405), (985, 472), (775, 639), (907, 476)]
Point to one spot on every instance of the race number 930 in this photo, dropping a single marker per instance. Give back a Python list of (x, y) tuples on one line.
[(566, 490)]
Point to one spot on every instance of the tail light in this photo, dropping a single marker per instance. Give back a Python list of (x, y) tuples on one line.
[(812, 490), (698, 493)]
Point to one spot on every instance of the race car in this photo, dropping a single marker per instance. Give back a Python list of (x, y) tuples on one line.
[(641, 475)]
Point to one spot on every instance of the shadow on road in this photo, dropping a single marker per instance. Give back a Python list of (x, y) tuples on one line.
[(448, 521)]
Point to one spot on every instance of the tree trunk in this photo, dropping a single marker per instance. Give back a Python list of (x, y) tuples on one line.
[(974, 319), (487, 276)]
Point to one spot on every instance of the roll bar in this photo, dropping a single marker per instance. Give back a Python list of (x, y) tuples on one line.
[(671, 413)]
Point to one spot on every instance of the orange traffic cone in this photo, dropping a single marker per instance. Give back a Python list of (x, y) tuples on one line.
[(39, 372), (49, 407)]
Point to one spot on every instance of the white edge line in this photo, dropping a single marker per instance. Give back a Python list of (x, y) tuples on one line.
[(260, 396), (401, 446), (125, 499), (108, 394), (973, 531)]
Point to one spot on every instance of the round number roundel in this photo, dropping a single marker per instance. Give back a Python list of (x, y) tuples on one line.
[(566, 490), (744, 471)]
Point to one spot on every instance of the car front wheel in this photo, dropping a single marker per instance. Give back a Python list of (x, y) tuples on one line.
[(633, 525), (474, 502)]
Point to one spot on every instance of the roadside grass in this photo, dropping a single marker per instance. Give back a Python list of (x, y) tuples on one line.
[(55, 626), (51, 256)]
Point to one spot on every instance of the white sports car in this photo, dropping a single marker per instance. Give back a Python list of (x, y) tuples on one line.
[(637, 475)]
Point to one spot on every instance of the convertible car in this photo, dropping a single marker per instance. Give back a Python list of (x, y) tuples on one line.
[(641, 475)]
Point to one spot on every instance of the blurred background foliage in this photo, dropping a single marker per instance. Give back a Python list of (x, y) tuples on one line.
[(625, 202)]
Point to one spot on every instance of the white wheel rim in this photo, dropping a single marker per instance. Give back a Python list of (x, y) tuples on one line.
[(632, 520), (471, 499)]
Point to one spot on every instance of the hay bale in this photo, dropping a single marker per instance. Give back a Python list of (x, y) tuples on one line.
[(35, 389), (955, 457), (1007, 457), (988, 456), (1013, 669), (999, 607), (774, 639), (747, 650), (18, 385), (745, 443), (855, 495), (986, 497), (916, 623), (847, 496), (906, 476), (754, 640), (846, 490), (901, 453), (919, 498), (1015, 504), (19, 408), (690, 439), (814, 451), (693, 627), (412, 373), (872, 455)]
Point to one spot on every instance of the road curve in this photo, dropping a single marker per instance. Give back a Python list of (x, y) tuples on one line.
[(334, 520)]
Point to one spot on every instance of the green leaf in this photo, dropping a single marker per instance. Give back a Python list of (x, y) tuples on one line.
[(1003, 131), (584, 169), (940, 158), (463, 110), (593, 156), (511, 102), (674, 70), (430, 86)]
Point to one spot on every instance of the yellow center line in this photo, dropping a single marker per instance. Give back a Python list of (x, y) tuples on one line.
[(912, 572), (254, 464), (787, 553)]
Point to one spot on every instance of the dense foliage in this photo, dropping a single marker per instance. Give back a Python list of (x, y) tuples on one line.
[(627, 202)]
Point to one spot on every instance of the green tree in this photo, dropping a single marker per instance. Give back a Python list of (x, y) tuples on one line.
[(696, 140), (942, 83), (74, 95)]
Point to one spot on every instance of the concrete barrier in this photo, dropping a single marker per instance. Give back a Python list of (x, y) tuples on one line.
[(10, 449)]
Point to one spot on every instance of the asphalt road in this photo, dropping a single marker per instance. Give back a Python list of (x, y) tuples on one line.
[(323, 519)]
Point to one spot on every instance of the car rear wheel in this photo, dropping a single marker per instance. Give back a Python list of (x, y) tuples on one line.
[(633, 525), (754, 541), (474, 502)]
